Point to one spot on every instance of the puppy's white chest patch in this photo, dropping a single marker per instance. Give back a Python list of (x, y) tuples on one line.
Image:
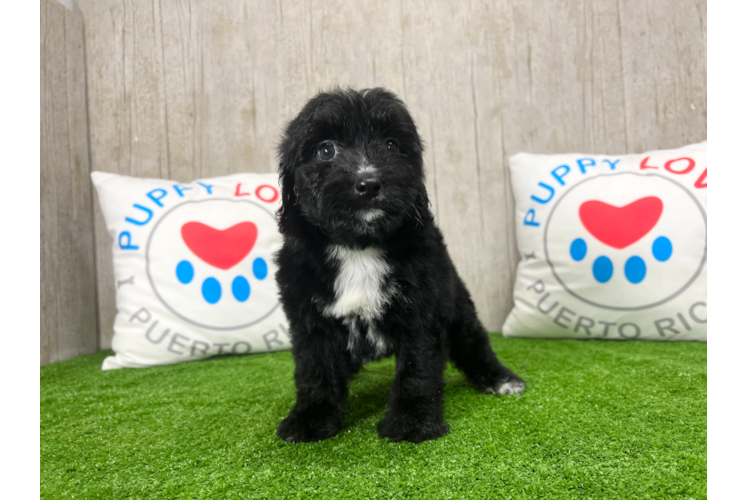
[(361, 287)]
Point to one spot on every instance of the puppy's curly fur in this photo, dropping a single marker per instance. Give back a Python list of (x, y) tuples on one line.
[(364, 272)]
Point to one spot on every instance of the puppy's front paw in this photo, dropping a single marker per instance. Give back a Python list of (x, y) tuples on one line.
[(308, 426), (508, 385), (406, 428)]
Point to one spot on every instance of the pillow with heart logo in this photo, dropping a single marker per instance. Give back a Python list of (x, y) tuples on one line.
[(611, 246), (193, 267)]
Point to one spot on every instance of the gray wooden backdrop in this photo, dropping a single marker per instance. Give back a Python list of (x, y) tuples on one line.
[(68, 273), (185, 89)]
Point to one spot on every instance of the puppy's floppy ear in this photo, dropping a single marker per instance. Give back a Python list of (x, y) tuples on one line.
[(289, 155)]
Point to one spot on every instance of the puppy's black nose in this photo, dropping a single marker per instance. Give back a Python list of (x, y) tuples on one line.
[(368, 186)]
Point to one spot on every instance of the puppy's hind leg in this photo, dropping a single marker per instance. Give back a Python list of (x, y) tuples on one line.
[(470, 350)]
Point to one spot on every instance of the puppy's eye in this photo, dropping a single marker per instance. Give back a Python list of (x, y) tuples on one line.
[(327, 151), (392, 146)]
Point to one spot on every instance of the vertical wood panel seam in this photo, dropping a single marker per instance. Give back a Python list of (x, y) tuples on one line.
[(194, 94), (163, 84), (655, 85), (475, 143), (583, 83), (678, 77), (322, 45), (311, 49), (43, 86), (402, 50), (202, 93), (46, 137), (509, 206), (124, 82), (623, 81), (51, 355), (81, 337), (93, 197), (307, 71), (602, 88), (508, 197), (57, 274), (703, 36)]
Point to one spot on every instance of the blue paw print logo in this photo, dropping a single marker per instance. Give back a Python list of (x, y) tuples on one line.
[(626, 253), (222, 249), (619, 228), (216, 273), (635, 268), (211, 288)]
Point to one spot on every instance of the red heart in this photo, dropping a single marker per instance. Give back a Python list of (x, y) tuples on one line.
[(619, 227), (221, 249)]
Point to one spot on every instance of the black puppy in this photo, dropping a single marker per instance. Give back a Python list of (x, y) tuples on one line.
[(364, 272)]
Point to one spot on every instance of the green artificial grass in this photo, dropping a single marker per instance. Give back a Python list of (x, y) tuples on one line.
[(599, 419)]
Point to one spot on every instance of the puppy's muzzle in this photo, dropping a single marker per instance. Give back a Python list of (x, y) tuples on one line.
[(368, 185)]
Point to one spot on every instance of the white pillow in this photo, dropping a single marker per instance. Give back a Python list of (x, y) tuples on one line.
[(612, 247), (193, 267)]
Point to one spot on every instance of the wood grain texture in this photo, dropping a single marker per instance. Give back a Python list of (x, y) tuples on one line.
[(188, 89), (68, 282)]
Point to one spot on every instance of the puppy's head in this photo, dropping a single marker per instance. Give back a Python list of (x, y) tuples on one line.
[(351, 165)]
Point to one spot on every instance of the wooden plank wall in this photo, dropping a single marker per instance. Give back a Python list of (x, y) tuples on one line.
[(68, 279), (185, 89)]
